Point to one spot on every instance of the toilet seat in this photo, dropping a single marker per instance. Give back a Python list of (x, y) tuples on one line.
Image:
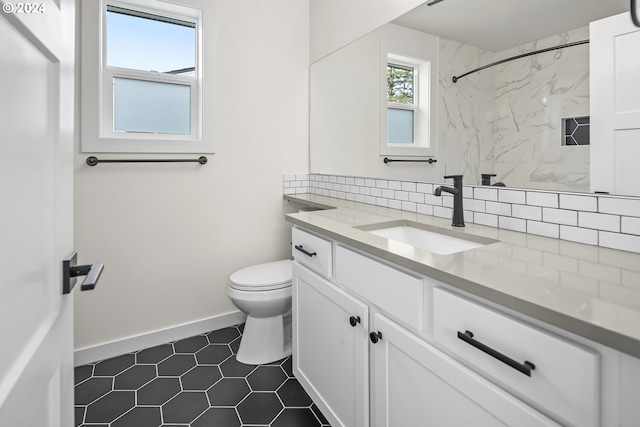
[(263, 277)]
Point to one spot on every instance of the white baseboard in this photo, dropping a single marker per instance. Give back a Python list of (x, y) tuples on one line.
[(82, 356)]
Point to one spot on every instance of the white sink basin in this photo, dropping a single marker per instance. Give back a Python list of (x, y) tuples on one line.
[(432, 239)]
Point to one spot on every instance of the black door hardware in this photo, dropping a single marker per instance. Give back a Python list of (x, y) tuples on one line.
[(304, 251), (525, 368), (353, 321), (375, 336), (70, 272)]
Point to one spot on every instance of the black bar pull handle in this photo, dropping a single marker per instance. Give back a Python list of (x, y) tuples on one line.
[(525, 368), (70, 272), (304, 251)]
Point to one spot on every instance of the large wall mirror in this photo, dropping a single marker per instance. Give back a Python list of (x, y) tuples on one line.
[(526, 121)]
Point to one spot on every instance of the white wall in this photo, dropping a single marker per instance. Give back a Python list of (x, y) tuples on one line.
[(171, 234), (336, 23)]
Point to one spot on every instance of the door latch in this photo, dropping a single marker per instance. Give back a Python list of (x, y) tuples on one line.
[(70, 272)]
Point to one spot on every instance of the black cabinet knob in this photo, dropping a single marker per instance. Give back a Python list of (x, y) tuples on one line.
[(354, 320), (375, 336)]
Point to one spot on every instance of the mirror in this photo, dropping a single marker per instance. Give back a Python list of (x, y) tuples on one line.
[(505, 120)]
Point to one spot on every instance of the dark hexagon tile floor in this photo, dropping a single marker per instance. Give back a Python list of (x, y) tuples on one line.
[(193, 382)]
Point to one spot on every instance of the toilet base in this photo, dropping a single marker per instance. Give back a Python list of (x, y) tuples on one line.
[(265, 340)]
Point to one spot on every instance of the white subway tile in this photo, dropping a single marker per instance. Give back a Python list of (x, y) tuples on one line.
[(467, 192), (381, 201), (354, 189), (580, 235), (474, 205), (498, 208), (376, 192), (485, 193), (468, 216), (365, 190), (395, 185), (599, 221), (395, 204), (442, 212), (424, 188), (289, 191), (350, 196), (333, 178), (349, 180), (527, 212), (389, 194), (370, 182), (409, 206), (514, 224), (295, 184), (416, 197), (430, 199), (359, 198), (370, 200), (333, 193), (630, 225), (619, 206), (543, 229), (511, 196), (560, 216), (409, 186), (401, 195), (624, 242), (359, 182), (447, 201), (325, 178), (486, 219), (382, 183), (542, 199), (424, 209), (579, 203)]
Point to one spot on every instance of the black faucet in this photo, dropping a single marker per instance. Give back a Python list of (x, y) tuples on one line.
[(486, 180), (458, 214)]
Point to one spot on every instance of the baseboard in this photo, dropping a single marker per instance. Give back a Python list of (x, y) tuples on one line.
[(98, 352)]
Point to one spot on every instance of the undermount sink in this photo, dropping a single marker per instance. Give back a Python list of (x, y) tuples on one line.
[(433, 239)]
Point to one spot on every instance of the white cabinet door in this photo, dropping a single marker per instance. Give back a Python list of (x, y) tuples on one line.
[(615, 105), (36, 212), (330, 348), (414, 384)]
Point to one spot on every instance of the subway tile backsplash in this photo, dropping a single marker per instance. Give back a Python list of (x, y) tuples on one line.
[(604, 220)]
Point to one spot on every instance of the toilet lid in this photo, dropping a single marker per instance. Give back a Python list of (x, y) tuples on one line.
[(263, 277)]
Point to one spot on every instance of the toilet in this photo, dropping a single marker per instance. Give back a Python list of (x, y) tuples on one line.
[(263, 292)]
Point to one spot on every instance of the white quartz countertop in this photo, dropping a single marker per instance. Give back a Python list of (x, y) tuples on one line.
[(590, 291)]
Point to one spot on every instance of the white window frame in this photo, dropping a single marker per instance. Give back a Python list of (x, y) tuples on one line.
[(424, 123), (97, 85)]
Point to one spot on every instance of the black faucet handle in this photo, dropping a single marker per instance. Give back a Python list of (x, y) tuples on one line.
[(453, 176)]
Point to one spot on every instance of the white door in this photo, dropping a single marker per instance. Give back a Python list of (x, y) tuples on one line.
[(36, 206), (615, 105), (330, 350)]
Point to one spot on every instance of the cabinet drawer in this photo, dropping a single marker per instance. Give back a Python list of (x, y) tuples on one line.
[(393, 291), (312, 251), (563, 381)]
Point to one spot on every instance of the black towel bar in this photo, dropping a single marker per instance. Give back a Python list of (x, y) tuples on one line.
[(92, 160)]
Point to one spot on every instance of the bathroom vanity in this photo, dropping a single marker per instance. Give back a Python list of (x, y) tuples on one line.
[(388, 334)]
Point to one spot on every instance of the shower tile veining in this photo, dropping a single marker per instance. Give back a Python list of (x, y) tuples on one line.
[(194, 382)]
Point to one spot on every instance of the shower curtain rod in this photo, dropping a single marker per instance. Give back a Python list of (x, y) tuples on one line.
[(535, 52)]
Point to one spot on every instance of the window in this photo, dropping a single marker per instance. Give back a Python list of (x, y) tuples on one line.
[(401, 103), (406, 119), (142, 77)]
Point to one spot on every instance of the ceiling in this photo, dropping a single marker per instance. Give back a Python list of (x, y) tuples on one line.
[(500, 24)]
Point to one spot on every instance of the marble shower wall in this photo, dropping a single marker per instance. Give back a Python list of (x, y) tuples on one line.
[(466, 109), (508, 119)]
